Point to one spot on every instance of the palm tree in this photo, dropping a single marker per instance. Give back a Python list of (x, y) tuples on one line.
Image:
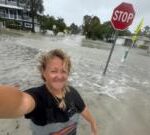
[(35, 6)]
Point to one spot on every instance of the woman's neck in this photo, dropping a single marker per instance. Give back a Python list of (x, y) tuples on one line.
[(54, 92)]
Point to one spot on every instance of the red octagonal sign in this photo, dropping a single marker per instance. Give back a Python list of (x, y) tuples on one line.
[(123, 16)]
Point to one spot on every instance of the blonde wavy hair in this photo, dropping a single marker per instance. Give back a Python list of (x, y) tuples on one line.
[(46, 57)]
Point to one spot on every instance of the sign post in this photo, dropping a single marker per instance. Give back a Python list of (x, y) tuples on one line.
[(134, 38), (111, 51), (122, 18)]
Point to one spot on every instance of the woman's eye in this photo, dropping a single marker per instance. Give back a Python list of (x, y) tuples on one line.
[(53, 71), (64, 71)]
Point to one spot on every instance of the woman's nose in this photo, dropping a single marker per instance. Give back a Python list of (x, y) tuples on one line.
[(60, 75)]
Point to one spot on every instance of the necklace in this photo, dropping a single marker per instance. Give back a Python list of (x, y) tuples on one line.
[(60, 101)]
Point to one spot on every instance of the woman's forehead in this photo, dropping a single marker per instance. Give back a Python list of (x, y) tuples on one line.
[(57, 62)]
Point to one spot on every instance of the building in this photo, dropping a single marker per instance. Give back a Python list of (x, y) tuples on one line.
[(127, 41), (13, 12), (124, 40), (142, 42)]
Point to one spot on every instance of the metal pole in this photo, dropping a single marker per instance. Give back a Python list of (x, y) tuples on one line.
[(127, 51), (111, 51)]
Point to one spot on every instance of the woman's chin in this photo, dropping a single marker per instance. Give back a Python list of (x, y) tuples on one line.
[(58, 87)]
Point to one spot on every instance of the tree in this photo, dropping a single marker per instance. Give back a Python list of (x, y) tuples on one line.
[(146, 31), (107, 31), (125, 33), (46, 22), (86, 24), (95, 28), (35, 6), (92, 27), (60, 25), (74, 29)]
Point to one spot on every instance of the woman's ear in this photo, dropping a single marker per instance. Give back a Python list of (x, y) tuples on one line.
[(43, 74)]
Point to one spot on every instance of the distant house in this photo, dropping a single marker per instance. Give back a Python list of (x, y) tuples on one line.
[(142, 42), (126, 41), (15, 11)]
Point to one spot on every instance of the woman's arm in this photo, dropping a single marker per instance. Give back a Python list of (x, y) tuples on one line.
[(88, 116), (14, 103)]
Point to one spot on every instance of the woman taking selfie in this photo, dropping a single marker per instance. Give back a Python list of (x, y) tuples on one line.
[(54, 107)]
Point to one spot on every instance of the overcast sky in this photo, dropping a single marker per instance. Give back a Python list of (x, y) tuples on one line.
[(74, 10)]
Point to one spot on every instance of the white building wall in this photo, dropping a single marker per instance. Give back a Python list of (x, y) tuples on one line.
[(120, 41), (140, 42), (37, 28)]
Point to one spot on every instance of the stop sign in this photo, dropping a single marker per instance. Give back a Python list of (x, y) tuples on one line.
[(123, 16)]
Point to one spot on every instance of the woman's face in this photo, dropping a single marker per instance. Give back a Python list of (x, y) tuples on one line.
[(56, 74)]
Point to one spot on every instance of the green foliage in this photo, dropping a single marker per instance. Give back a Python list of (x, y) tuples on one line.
[(35, 6), (146, 31), (48, 22), (107, 31), (60, 25), (13, 24), (92, 27), (86, 24), (143, 47), (1, 19), (125, 33), (74, 29)]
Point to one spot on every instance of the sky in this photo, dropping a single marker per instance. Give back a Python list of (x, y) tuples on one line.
[(74, 10)]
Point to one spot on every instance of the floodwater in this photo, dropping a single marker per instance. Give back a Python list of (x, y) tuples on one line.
[(120, 100)]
